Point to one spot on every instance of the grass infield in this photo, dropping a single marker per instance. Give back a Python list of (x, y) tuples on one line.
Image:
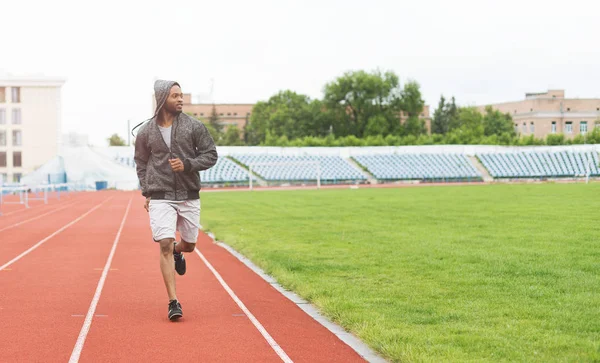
[(457, 273)]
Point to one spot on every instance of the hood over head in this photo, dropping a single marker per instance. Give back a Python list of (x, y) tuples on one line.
[(162, 89), (161, 92)]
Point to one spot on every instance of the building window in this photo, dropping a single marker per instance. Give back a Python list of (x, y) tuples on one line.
[(202, 114), (16, 94), (553, 130), (3, 178), (235, 114), (228, 113), (531, 127), (516, 127), (524, 127), (16, 116), (16, 177), (2, 116), (568, 109), (17, 141), (583, 127), (2, 138), (569, 127), (17, 161), (3, 158), (2, 94)]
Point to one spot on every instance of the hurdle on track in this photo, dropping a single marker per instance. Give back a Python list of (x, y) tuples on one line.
[(40, 192)]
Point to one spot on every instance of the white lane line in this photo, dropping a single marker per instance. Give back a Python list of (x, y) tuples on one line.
[(52, 235), (90, 314), (284, 357), (34, 218)]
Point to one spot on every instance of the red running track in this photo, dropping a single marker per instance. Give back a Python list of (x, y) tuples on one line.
[(104, 237)]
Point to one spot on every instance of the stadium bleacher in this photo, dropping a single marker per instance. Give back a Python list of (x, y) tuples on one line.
[(224, 171), (420, 167), (302, 168), (448, 163), (537, 164)]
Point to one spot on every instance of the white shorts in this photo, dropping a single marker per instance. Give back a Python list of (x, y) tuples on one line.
[(168, 216)]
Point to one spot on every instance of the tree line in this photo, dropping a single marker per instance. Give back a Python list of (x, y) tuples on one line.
[(363, 108)]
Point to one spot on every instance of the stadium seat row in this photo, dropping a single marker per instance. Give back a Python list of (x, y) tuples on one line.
[(449, 167)]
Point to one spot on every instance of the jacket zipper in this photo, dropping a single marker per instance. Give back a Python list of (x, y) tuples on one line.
[(170, 154)]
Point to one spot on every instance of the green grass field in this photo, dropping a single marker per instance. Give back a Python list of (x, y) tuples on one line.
[(457, 273)]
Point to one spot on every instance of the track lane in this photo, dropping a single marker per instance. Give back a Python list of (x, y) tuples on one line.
[(40, 293)]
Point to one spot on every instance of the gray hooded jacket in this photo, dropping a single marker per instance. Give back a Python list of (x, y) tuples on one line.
[(190, 142)]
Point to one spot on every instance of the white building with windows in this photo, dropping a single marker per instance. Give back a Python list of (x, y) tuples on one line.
[(30, 124)]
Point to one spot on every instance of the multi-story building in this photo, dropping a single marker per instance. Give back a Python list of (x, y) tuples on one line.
[(229, 114), (541, 114), (30, 124)]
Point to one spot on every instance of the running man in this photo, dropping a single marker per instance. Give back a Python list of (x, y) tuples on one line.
[(170, 151)]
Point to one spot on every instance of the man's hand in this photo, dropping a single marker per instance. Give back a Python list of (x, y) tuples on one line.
[(147, 204), (176, 165)]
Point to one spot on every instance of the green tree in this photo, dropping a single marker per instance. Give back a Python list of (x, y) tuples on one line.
[(496, 123), (232, 137), (116, 140), (215, 135), (288, 114), (377, 125), (213, 120), (246, 124), (555, 139), (357, 96), (453, 111), (415, 126), (593, 137), (468, 127), (441, 120), (411, 101), (257, 127)]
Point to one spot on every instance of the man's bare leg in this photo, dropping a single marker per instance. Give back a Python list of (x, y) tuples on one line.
[(167, 267), (184, 246), (180, 247)]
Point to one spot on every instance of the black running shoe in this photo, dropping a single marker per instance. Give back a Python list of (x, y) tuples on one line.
[(179, 262), (175, 310)]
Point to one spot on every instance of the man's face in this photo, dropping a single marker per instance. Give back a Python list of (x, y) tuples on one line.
[(174, 103)]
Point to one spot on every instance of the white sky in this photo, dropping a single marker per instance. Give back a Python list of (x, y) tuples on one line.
[(480, 51)]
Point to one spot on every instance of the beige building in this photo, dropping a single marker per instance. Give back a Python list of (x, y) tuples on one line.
[(541, 114), (230, 114), (30, 124)]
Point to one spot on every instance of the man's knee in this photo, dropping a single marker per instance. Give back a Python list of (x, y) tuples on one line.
[(166, 246), (187, 246)]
